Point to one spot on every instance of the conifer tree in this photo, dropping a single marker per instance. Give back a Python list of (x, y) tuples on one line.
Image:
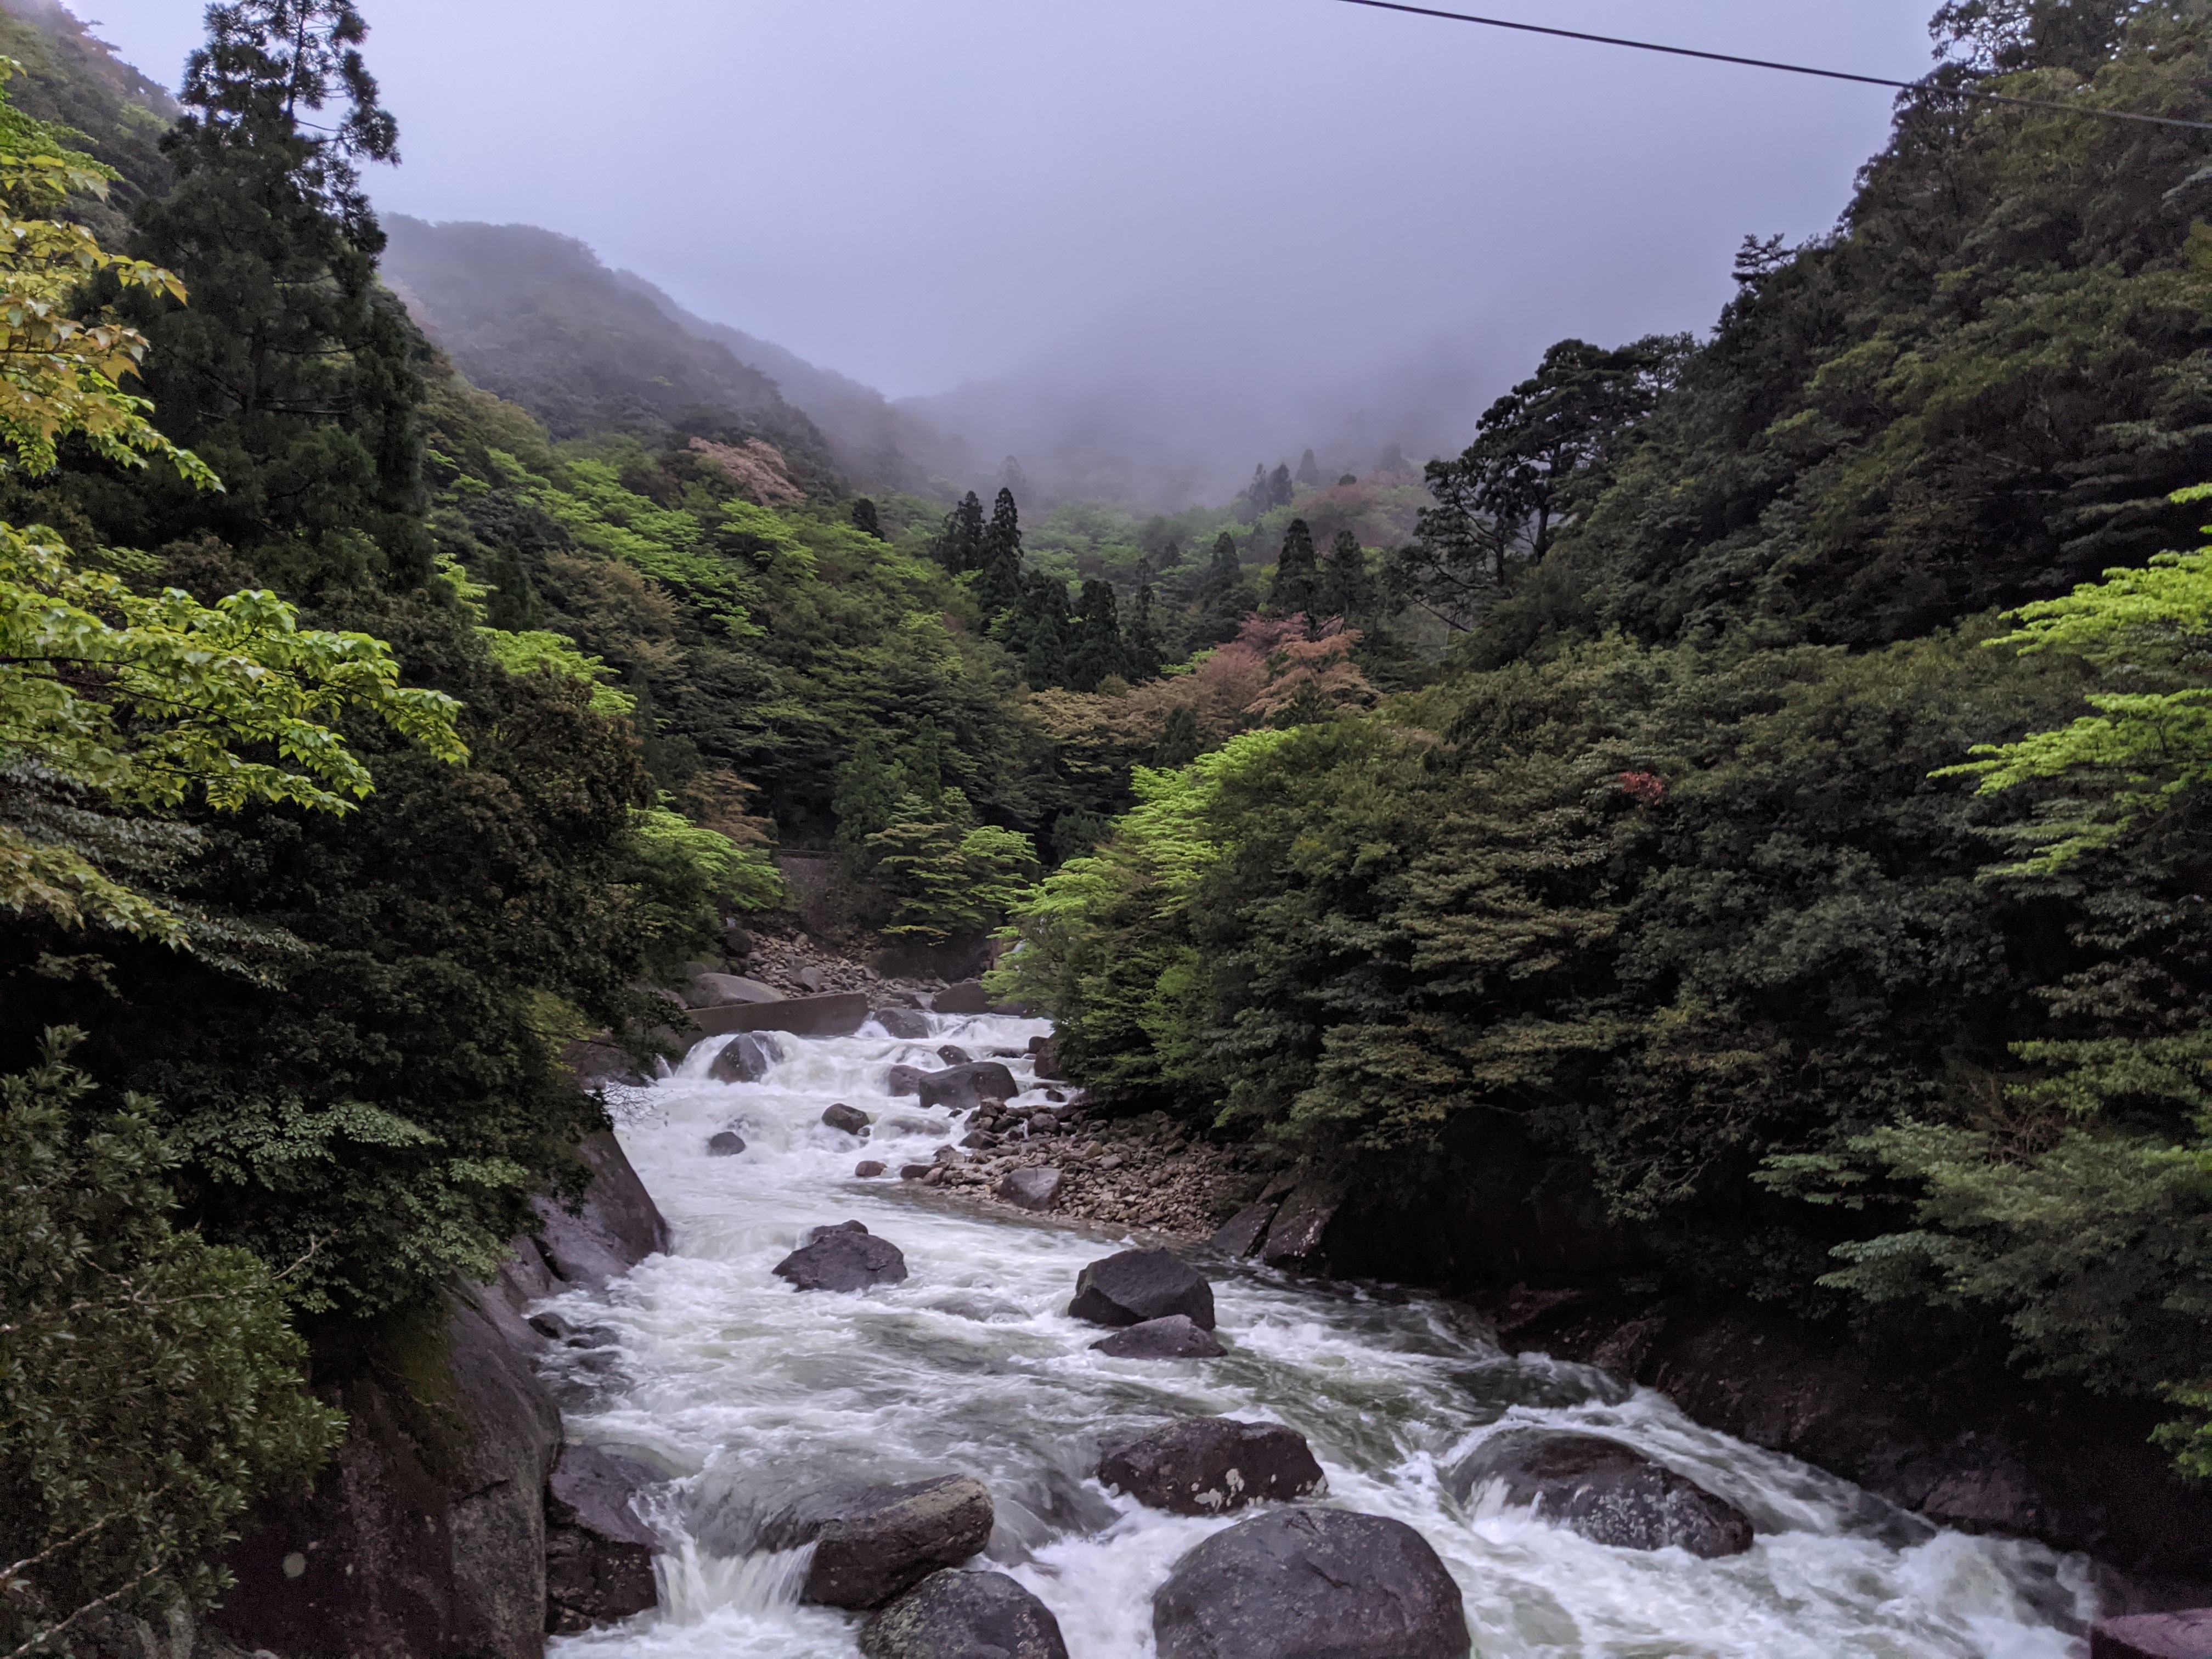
[(1279, 488), (960, 541), (1144, 646), (865, 519), (1097, 650), (1225, 597), (1180, 743), (1345, 588), (1046, 658), (1298, 574), (998, 558), (1309, 472), (293, 372)]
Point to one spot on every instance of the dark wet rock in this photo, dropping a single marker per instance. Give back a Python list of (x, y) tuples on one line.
[(746, 1058), (872, 1542), (1211, 1465), (843, 1262), (1045, 1056), (816, 1234), (2153, 1636), (979, 1141), (1135, 1286), (963, 1088), (915, 1171), (903, 1080), (906, 1024), (840, 1013), (948, 1154), (1030, 1189), (953, 1615), (599, 1553), (1307, 1583), (726, 1143), (1241, 1234), (851, 1118), (1054, 1095), (720, 990), (953, 1054), (1295, 1238), (1043, 1123), (615, 1226), (965, 998), (1173, 1338), (558, 1328), (594, 1064), (1609, 1493), (867, 1169)]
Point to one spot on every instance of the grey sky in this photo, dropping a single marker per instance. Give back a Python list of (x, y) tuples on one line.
[(1312, 199)]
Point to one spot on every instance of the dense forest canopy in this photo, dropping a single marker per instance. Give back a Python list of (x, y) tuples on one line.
[(1758, 787)]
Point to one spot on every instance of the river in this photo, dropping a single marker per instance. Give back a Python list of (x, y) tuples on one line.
[(746, 1392)]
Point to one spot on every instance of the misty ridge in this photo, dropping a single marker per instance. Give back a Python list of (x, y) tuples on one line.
[(1147, 422)]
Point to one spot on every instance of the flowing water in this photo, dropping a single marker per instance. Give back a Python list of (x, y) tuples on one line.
[(745, 1392)]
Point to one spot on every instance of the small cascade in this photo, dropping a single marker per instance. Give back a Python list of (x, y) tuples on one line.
[(746, 1392)]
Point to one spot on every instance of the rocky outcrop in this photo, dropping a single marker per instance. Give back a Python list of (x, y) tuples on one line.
[(1609, 1492), (871, 1543), (1241, 1234), (1131, 1286), (963, 1088), (1295, 1234), (427, 1532), (965, 998), (1173, 1338), (1211, 1466), (964, 1616), (2153, 1636), (843, 1260), (840, 1013), (1304, 1581), (594, 1064), (711, 990), (599, 1553)]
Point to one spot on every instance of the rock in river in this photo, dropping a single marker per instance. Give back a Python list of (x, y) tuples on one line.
[(1172, 1338), (599, 1555), (1609, 1493), (1035, 1188), (746, 1058), (726, 1143), (963, 1088), (843, 1262), (906, 1024), (1211, 1465), (1301, 1584), (964, 1616), (1135, 1286), (851, 1118), (872, 1542)]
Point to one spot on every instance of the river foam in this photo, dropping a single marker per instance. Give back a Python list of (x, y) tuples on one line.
[(745, 1392)]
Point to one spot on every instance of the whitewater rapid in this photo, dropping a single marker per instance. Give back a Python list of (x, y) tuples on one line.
[(745, 1392)]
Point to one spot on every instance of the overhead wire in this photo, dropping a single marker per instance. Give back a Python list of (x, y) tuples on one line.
[(1922, 87)]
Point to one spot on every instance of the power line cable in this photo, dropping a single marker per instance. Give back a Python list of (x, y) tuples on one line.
[(1787, 69)]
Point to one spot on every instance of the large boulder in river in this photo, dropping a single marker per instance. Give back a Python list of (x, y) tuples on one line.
[(746, 1059), (841, 1013), (908, 1025), (599, 1554), (1135, 1286), (1609, 1492), (1211, 1465), (1172, 1338), (850, 1119), (964, 1616), (1307, 1583), (965, 998), (963, 1088), (1037, 1188), (872, 1542), (2153, 1636), (719, 990), (616, 1225), (842, 1260)]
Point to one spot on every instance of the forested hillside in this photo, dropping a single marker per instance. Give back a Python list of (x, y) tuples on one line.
[(1681, 888)]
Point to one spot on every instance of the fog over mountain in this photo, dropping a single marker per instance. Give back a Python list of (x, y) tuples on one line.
[(1138, 246)]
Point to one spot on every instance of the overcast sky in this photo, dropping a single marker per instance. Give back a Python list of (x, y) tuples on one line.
[(1314, 199)]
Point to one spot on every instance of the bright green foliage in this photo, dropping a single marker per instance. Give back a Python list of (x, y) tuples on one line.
[(2143, 751), (536, 648), (149, 1383), (686, 873), (944, 881)]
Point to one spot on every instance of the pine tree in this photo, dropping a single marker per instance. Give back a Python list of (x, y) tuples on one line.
[(1281, 492), (1345, 588), (1309, 472), (1046, 658), (1098, 650), (292, 372), (1144, 646), (1225, 597), (960, 540), (1180, 743), (1224, 570), (1298, 574), (865, 519), (999, 558)]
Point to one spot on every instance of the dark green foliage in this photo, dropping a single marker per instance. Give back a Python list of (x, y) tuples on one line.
[(1344, 587), (865, 519), (149, 1382), (999, 558), (1297, 588), (1225, 598), (960, 542), (73, 80), (1096, 650), (1144, 649), (1179, 741)]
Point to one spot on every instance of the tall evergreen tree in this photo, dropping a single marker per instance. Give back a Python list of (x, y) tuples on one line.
[(1180, 743), (1098, 650), (1345, 588), (1145, 648), (960, 541), (999, 558), (1280, 488), (1298, 574), (1045, 659), (293, 372), (865, 519), (1309, 472), (1225, 597)]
